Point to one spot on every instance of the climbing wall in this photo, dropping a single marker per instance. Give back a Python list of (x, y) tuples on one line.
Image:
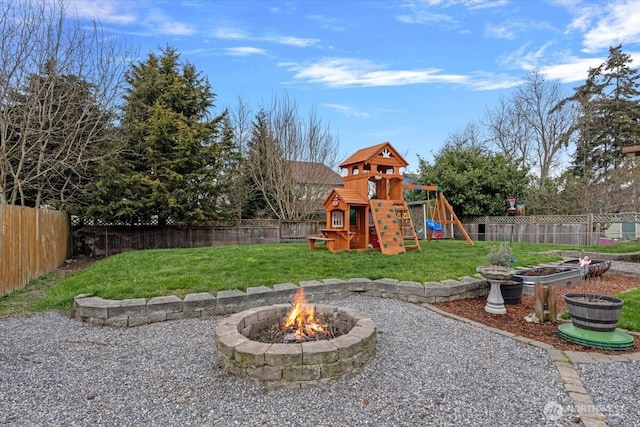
[(387, 226)]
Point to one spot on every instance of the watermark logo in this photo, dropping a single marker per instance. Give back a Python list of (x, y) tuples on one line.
[(553, 411)]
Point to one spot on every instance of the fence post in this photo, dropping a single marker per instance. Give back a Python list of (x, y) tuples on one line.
[(588, 240), (532, 227)]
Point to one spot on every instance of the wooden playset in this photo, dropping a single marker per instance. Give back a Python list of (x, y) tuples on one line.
[(370, 211)]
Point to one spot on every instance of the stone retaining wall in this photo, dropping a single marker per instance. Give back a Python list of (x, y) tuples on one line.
[(139, 311)]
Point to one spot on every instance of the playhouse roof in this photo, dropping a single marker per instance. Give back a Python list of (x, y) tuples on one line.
[(381, 154), (348, 196)]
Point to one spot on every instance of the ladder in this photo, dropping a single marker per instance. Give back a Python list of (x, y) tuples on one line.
[(407, 228)]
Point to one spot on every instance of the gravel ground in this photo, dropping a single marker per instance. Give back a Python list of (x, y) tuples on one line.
[(428, 371), (614, 388)]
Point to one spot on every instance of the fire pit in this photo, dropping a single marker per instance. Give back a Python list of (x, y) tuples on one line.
[(281, 345)]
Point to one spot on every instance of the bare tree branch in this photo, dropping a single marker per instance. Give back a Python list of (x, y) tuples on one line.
[(59, 85)]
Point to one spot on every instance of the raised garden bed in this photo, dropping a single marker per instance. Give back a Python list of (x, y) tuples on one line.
[(562, 277)]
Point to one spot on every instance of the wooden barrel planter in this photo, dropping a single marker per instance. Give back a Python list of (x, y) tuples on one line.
[(594, 312)]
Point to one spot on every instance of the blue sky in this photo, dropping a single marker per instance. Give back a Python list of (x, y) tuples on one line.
[(407, 72)]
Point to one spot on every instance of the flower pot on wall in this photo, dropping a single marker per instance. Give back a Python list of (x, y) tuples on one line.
[(594, 312)]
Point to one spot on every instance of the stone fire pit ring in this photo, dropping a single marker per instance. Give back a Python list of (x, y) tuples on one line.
[(293, 364)]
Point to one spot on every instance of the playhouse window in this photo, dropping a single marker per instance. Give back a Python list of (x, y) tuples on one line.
[(337, 219)]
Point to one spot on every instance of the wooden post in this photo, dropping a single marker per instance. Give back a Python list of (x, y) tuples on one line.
[(551, 303), (539, 292), (545, 302)]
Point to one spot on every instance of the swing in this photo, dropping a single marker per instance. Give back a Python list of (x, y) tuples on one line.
[(431, 224)]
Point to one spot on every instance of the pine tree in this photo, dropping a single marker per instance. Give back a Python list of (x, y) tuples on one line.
[(176, 160), (609, 116)]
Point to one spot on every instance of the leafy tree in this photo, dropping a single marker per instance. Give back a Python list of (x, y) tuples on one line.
[(475, 180), (178, 161)]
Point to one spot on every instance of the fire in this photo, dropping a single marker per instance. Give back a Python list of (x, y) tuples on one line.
[(302, 318)]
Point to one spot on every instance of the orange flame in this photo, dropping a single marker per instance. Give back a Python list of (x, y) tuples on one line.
[(302, 317)]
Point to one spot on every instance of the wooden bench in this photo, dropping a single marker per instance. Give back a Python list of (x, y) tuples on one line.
[(314, 239)]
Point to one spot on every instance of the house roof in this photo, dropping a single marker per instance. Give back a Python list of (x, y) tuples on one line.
[(347, 195), (376, 154), (315, 173)]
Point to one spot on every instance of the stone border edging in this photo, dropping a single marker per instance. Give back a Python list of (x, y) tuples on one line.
[(139, 311)]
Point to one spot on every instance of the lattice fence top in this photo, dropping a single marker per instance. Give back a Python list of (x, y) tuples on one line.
[(629, 217), (153, 222), (617, 217)]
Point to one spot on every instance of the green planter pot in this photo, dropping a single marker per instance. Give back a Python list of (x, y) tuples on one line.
[(594, 312)]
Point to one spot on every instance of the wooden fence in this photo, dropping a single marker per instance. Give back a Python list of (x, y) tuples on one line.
[(33, 242), (111, 239), (589, 229)]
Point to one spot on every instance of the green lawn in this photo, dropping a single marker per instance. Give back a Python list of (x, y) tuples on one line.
[(630, 315), (181, 271)]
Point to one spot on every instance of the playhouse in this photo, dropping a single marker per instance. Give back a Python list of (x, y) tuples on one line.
[(370, 211)]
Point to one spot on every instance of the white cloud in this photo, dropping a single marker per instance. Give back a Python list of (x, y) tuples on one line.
[(424, 17), (228, 33), (346, 72), (503, 31), (492, 81), (289, 41), (112, 12), (524, 59), (174, 28), (574, 69), (427, 11), (347, 111), (620, 23), (149, 20), (245, 51), (484, 4), (328, 22), (604, 24)]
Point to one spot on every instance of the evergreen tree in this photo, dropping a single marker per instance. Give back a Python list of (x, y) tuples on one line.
[(257, 170), (177, 160), (609, 116)]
